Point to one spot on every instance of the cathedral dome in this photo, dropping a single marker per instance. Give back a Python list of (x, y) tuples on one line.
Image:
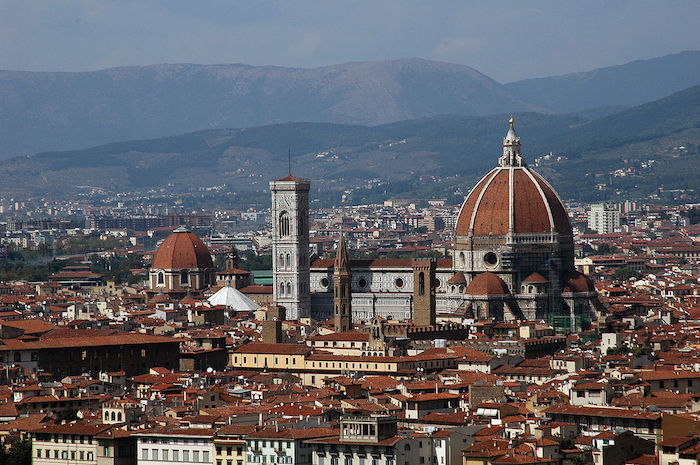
[(182, 250), (512, 199), (487, 283)]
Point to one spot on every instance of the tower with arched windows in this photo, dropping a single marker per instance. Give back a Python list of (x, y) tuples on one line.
[(342, 293), (290, 245)]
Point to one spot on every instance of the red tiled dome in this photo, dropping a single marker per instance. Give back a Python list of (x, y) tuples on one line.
[(577, 282), (487, 283), (536, 208), (181, 250), (512, 198)]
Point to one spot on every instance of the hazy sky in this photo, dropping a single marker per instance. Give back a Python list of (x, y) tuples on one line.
[(507, 40)]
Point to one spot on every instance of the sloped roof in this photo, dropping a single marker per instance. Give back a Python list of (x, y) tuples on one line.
[(233, 298)]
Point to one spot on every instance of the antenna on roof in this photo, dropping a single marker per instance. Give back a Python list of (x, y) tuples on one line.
[(289, 160)]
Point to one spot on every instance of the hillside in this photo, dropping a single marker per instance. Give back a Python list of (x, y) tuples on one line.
[(438, 156), (629, 84), (58, 111), (65, 111)]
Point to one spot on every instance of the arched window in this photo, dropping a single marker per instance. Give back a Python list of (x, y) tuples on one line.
[(284, 224), (161, 278), (289, 262), (112, 416), (184, 277), (119, 416), (289, 289), (421, 284), (461, 260)]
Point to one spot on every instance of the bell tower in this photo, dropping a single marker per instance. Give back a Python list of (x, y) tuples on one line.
[(290, 245), (342, 296)]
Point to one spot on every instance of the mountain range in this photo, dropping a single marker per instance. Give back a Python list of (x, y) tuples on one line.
[(647, 150), (42, 111)]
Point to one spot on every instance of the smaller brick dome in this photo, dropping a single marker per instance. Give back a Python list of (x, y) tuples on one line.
[(487, 284), (182, 250), (577, 282)]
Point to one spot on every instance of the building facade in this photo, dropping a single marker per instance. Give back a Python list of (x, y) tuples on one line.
[(290, 245), (512, 258)]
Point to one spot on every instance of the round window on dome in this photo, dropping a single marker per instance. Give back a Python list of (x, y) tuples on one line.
[(490, 259), (362, 282), (437, 283), (325, 283), (398, 282)]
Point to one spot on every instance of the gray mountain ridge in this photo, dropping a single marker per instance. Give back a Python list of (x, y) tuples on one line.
[(41, 111)]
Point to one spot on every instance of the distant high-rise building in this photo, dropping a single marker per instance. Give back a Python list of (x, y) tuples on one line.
[(604, 218)]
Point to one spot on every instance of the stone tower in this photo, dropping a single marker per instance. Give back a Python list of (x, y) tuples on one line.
[(424, 291), (342, 297), (290, 245)]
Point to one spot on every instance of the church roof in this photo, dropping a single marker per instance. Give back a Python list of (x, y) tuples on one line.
[(535, 278), (577, 282), (487, 283), (511, 198), (458, 278), (182, 250)]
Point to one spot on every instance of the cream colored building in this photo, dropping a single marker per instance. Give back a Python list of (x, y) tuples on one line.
[(71, 443)]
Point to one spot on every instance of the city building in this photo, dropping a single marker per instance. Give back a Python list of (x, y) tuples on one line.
[(604, 218)]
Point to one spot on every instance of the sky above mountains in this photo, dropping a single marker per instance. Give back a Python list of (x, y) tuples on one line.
[(507, 40)]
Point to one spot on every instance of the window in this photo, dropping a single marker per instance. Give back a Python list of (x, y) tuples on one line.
[(195, 456), (166, 453), (348, 460), (284, 224), (38, 453), (185, 456), (89, 456), (184, 277), (176, 455), (154, 454), (205, 456), (161, 278), (421, 284), (82, 455)]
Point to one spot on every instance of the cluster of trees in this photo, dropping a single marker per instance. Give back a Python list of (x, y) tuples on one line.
[(118, 268), (91, 243), (18, 453)]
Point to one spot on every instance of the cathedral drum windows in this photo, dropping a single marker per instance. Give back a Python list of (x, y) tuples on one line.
[(490, 259), (398, 283)]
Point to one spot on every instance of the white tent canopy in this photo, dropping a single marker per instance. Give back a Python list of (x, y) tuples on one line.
[(233, 299)]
